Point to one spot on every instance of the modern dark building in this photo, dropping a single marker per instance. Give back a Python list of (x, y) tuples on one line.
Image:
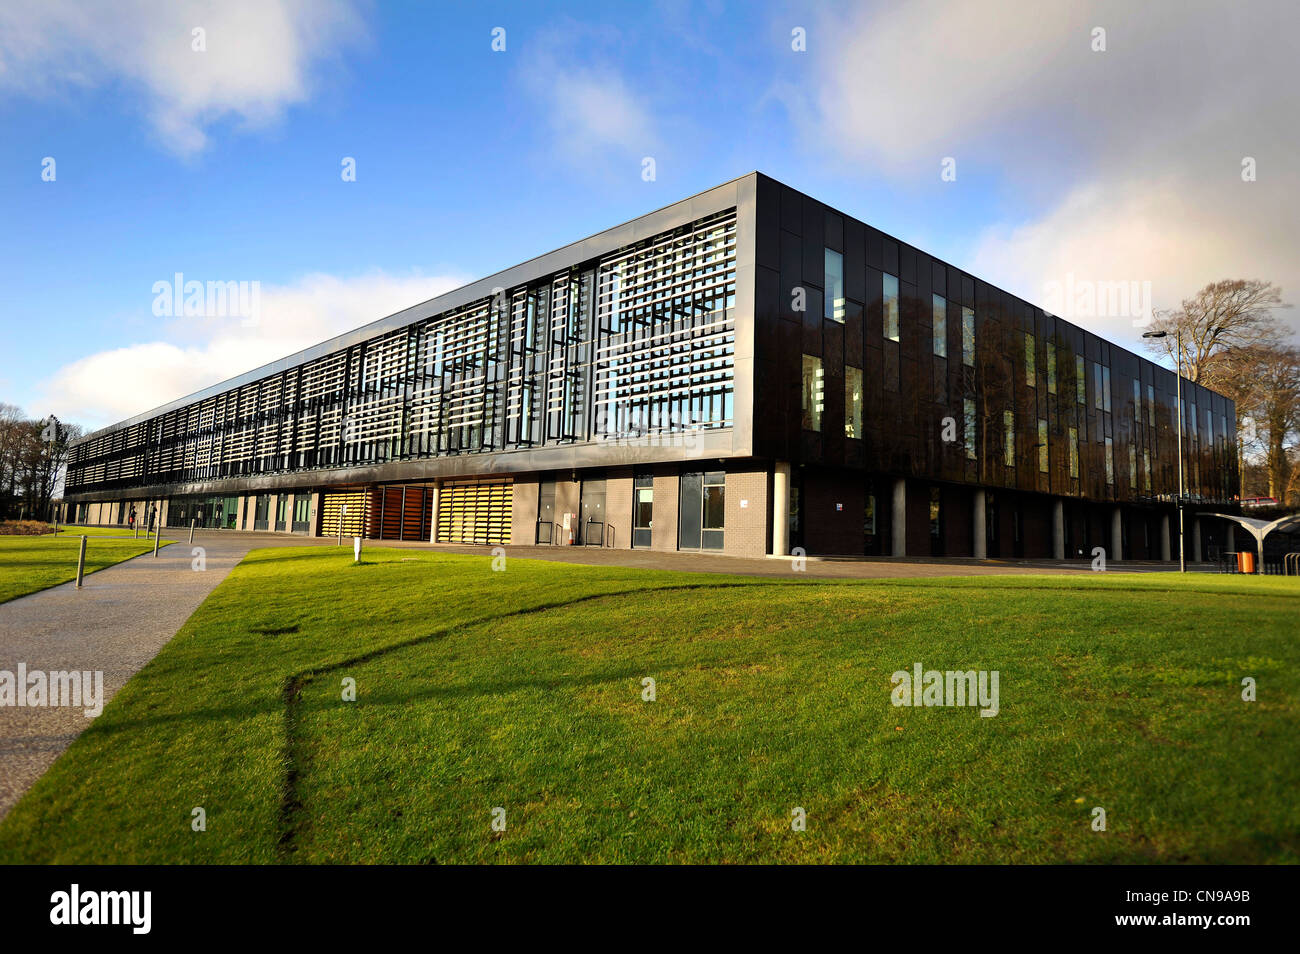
[(745, 371)]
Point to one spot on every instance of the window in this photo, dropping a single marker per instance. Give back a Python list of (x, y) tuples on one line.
[(1074, 452), (1009, 438), (891, 307), (1096, 386), (968, 337), (1080, 385), (1146, 470), (936, 512), (1031, 371), (1110, 462), (1051, 368), (812, 393), (1151, 405), (1132, 466), (1105, 389), (968, 434), (834, 297), (853, 402), (869, 516), (939, 309), (1042, 446)]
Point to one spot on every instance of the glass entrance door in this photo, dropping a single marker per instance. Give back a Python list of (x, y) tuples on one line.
[(643, 497), (591, 525), (301, 513), (702, 511)]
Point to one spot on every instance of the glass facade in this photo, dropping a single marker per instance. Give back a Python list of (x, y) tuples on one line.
[(641, 341)]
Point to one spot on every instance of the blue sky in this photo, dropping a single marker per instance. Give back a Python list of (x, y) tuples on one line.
[(224, 164)]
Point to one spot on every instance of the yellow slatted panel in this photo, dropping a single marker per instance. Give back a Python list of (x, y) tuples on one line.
[(354, 522), (475, 512)]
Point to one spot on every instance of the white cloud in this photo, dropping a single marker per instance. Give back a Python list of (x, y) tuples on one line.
[(258, 60), (1128, 160), (194, 353), (590, 107)]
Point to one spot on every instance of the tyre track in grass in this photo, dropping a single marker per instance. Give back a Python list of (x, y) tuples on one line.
[(294, 820)]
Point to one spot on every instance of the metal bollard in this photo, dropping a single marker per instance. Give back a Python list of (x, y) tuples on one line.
[(191, 531), (81, 562), (157, 534)]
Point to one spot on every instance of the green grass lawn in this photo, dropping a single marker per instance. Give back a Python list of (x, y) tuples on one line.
[(28, 564), (523, 690)]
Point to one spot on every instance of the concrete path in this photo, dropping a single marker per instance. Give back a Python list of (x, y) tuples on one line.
[(117, 622)]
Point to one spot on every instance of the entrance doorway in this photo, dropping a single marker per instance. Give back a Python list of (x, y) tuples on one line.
[(643, 500), (702, 511)]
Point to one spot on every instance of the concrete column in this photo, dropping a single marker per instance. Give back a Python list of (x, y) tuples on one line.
[(1058, 530), (781, 508), (1196, 540), (436, 491), (1164, 537), (979, 510), (1116, 536), (898, 522)]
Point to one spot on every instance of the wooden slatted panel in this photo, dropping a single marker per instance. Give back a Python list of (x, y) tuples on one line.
[(415, 519), (402, 513), (475, 512), (355, 522), (391, 514)]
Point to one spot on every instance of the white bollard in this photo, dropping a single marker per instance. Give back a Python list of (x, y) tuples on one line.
[(356, 549)]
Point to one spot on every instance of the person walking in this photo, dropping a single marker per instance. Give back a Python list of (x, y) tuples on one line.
[(153, 515), (130, 520)]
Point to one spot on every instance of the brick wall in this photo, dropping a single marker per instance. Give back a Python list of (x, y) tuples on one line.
[(663, 535), (746, 527), (618, 508)]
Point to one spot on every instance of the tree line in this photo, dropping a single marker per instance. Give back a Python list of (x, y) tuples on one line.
[(1233, 343), (33, 454)]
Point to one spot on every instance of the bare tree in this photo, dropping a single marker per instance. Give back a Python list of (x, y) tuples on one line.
[(33, 456), (1277, 412), (1221, 316)]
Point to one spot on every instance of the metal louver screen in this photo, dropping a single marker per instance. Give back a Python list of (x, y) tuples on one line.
[(475, 512)]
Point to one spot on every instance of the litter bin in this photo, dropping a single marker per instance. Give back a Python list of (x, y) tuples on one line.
[(1245, 561)]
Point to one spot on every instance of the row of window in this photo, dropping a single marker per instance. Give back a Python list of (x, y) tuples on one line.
[(813, 406)]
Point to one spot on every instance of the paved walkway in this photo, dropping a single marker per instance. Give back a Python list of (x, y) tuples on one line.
[(117, 622)]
